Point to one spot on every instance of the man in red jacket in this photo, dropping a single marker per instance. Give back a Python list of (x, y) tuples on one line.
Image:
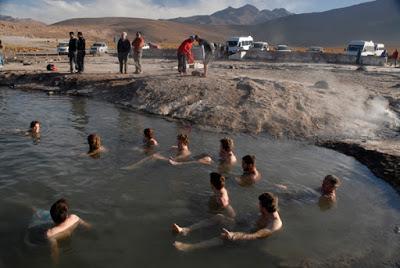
[(395, 56), (137, 46), (185, 54)]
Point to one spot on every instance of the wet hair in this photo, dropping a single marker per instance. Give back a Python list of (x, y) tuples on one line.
[(33, 123), (269, 202), (183, 138), (333, 180), (148, 133), (217, 180), (249, 159), (94, 142), (227, 144), (71, 33), (59, 211)]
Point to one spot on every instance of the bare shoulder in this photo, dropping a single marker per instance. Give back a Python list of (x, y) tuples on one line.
[(74, 218)]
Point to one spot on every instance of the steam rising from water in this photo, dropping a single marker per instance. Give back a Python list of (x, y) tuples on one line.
[(359, 114)]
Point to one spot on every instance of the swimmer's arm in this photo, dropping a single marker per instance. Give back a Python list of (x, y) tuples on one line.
[(235, 236), (85, 224), (55, 252)]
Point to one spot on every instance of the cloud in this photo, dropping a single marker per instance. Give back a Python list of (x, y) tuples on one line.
[(55, 10)]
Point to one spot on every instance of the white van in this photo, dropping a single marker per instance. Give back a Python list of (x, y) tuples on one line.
[(367, 48), (241, 43), (379, 49)]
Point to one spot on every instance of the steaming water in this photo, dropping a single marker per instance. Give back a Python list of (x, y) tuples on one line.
[(132, 211)]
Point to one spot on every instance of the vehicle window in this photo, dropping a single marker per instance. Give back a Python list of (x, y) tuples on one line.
[(355, 48), (232, 43)]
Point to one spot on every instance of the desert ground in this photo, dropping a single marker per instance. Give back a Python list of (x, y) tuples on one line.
[(336, 106)]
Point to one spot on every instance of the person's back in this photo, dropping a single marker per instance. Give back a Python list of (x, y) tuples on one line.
[(64, 224), (395, 54), (208, 47), (81, 45)]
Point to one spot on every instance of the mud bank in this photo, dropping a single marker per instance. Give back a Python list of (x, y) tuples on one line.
[(381, 157), (334, 108)]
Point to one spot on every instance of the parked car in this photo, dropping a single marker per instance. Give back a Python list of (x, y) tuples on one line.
[(261, 46), (62, 48), (146, 46), (315, 50), (283, 48), (98, 48)]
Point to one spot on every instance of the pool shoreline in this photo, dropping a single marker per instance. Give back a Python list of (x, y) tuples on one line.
[(381, 156)]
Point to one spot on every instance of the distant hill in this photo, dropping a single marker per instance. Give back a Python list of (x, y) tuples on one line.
[(154, 30), (18, 20), (378, 21), (246, 15)]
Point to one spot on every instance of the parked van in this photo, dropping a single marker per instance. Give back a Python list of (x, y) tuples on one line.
[(261, 46), (367, 48), (236, 44)]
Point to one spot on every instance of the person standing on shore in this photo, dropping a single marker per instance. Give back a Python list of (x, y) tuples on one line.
[(72, 52), (185, 54), (138, 45), (207, 49), (1, 55), (81, 52), (123, 49), (395, 56)]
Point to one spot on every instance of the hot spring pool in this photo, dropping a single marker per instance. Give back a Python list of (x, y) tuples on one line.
[(132, 210)]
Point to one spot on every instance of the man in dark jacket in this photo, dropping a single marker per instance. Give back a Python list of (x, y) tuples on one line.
[(123, 48), (207, 49), (81, 52), (72, 51)]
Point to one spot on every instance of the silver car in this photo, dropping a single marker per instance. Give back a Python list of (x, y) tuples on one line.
[(63, 48), (98, 48)]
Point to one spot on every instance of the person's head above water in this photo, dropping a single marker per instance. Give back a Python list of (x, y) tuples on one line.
[(183, 140), (94, 142), (330, 184), (35, 127), (217, 180), (227, 144), (148, 133), (59, 211), (268, 203), (248, 162)]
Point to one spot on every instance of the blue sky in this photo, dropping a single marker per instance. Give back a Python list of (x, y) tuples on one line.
[(55, 10)]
